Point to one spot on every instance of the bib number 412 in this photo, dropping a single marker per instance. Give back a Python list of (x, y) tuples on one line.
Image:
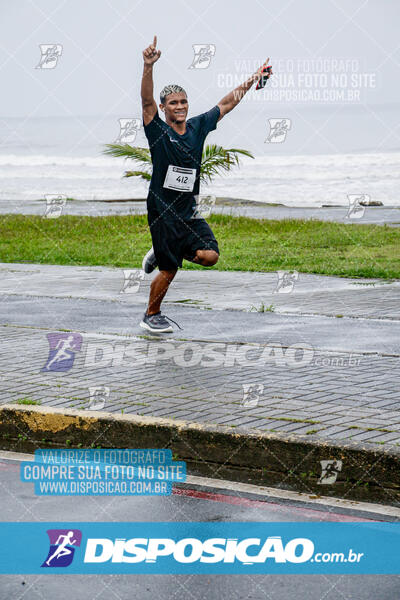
[(181, 179)]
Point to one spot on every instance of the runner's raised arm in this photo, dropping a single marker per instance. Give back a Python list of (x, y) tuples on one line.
[(149, 106), (231, 100)]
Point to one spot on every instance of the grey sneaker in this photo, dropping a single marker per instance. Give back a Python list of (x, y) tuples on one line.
[(149, 262), (157, 323)]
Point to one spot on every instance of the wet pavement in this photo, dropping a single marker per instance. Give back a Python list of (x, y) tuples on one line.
[(322, 361), (19, 503)]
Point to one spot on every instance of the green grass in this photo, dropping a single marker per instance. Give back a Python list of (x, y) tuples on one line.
[(245, 244), (27, 401), (262, 308)]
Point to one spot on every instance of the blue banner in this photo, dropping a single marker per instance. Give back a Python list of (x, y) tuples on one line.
[(195, 547)]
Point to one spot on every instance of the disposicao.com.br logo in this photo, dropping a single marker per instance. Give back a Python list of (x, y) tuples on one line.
[(201, 547), (212, 550), (167, 554)]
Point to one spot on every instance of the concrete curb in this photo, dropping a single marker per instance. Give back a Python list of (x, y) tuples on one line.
[(284, 461)]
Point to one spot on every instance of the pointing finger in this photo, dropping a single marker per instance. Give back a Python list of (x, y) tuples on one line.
[(155, 41)]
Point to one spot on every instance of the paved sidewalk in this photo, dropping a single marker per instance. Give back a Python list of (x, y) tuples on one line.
[(235, 368), (377, 215), (333, 395), (222, 290), (364, 336)]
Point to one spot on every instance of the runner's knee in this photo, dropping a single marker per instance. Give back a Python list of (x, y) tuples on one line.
[(207, 258), (166, 276)]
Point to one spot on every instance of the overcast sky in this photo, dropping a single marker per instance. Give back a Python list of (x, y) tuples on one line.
[(99, 70)]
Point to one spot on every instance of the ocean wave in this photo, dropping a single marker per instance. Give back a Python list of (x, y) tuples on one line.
[(37, 160), (306, 180)]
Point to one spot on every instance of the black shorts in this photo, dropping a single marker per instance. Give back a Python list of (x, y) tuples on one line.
[(173, 241)]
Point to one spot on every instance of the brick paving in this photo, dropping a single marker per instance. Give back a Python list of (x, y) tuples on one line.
[(325, 397)]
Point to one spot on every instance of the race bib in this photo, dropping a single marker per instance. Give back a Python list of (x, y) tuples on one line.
[(180, 179)]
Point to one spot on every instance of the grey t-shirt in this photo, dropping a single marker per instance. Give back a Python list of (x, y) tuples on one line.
[(167, 147)]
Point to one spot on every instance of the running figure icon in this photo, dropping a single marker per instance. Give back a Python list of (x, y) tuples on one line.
[(64, 349), (62, 549)]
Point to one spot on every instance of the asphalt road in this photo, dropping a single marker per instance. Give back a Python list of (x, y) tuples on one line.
[(18, 503)]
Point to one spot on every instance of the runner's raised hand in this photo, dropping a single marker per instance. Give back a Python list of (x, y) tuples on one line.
[(257, 75), (151, 54)]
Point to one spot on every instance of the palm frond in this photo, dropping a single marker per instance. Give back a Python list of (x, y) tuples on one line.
[(142, 174), (216, 160), (140, 155)]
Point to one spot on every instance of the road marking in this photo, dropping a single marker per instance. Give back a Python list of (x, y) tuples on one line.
[(291, 496), (268, 505)]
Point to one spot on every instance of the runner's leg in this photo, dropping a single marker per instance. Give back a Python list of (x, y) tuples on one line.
[(206, 258), (158, 289), (200, 246)]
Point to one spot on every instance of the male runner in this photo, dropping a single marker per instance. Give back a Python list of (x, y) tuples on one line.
[(176, 147)]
